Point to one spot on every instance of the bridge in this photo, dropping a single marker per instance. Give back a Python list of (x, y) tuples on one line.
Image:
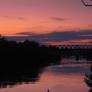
[(74, 46)]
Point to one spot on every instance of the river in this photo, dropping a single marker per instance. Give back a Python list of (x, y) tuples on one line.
[(68, 77)]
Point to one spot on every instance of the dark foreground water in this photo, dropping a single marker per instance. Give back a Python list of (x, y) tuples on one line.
[(67, 77)]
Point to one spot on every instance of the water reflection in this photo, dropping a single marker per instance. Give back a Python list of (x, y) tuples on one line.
[(56, 81), (68, 76), (12, 79)]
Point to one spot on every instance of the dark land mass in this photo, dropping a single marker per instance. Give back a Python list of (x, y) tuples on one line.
[(24, 61)]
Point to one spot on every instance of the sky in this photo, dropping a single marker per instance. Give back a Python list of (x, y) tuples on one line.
[(39, 19)]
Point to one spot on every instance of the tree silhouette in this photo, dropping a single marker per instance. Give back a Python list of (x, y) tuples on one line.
[(20, 59), (23, 61)]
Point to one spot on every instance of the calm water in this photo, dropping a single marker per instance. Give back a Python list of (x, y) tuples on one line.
[(66, 77)]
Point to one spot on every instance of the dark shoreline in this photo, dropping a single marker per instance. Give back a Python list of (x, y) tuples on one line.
[(24, 61)]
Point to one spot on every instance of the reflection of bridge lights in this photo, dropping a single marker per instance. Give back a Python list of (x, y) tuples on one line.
[(87, 2)]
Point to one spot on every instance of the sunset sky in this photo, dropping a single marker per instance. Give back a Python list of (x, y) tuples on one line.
[(44, 20)]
